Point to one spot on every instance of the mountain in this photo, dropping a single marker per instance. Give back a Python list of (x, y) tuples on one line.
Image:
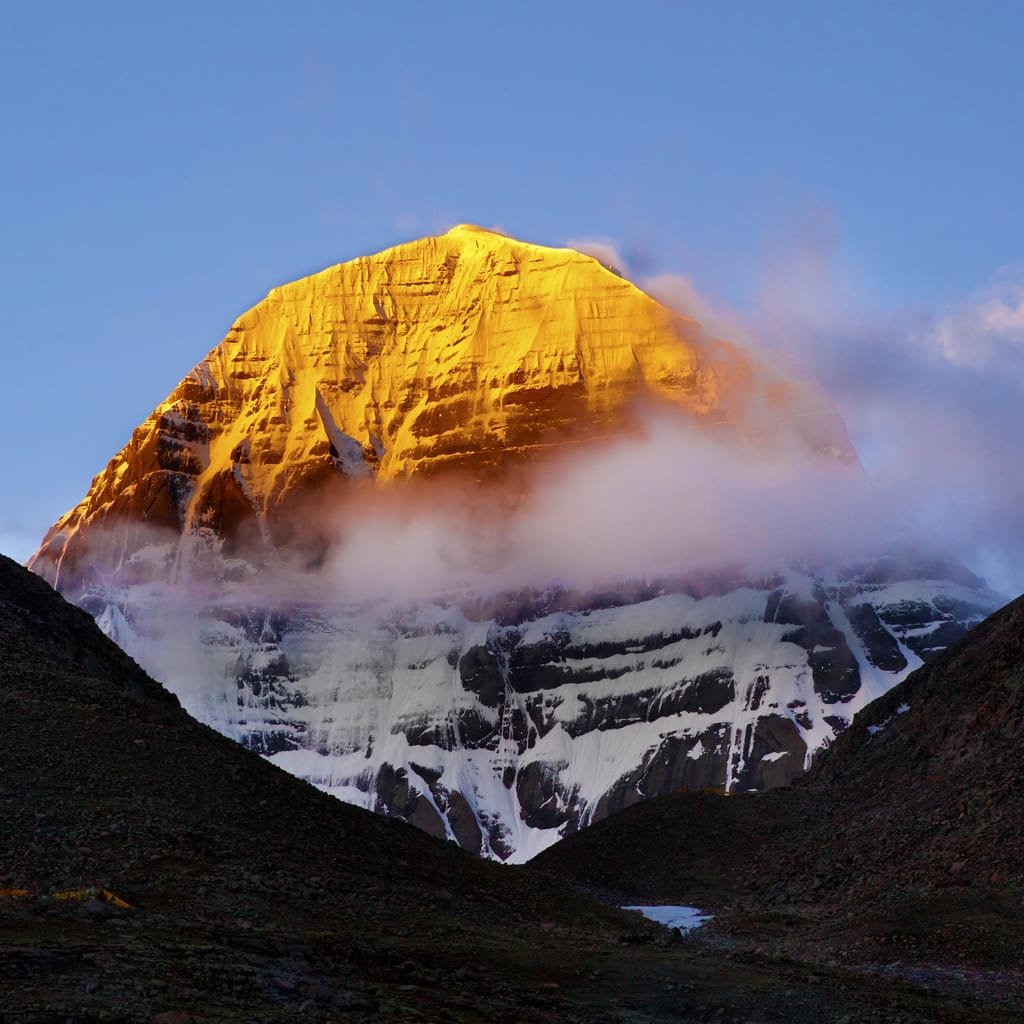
[(152, 870), (509, 723), (462, 353), (901, 846), (502, 719)]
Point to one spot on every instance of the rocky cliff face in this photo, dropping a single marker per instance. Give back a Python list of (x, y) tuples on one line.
[(463, 353), (499, 721), (506, 723)]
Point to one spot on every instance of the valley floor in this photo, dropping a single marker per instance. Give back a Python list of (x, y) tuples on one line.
[(238, 961)]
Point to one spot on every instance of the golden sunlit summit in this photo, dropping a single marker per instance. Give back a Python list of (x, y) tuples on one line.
[(467, 351)]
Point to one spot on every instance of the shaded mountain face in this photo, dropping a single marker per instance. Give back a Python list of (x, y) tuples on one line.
[(252, 896), (941, 756), (902, 843), (507, 723), (104, 774), (499, 720)]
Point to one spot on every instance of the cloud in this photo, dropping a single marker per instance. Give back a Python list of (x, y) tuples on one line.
[(675, 499), (988, 327), (603, 250), (675, 290), (671, 498), (932, 403), (678, 292), (931, 399)]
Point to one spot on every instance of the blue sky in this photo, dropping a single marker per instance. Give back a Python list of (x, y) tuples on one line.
[(166, 165)]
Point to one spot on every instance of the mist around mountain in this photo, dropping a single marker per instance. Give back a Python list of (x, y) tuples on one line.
[(930, 394)]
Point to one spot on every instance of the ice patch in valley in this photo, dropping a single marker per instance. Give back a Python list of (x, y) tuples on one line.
[(683, 919)]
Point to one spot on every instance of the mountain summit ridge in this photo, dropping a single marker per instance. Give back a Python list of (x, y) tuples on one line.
[(465, 352)]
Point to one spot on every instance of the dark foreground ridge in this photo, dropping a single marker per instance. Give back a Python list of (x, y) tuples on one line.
[(899, 854), (253, 897)]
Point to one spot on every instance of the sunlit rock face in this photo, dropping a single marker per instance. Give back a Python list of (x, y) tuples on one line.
[(465, 353), (498, 720)]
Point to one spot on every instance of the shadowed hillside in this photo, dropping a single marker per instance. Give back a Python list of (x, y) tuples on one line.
[(254, 897), (903, 844)]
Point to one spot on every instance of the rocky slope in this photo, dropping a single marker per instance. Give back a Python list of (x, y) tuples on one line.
[(253, 897), (932, 765), (901, 847), (940, 757)]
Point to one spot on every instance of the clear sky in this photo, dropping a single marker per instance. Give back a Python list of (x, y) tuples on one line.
[(165, 165)]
